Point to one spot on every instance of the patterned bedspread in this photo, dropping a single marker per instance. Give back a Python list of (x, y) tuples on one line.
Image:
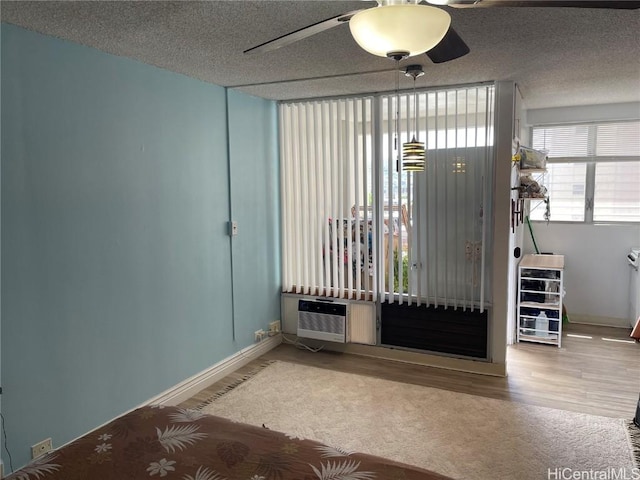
[(175, 443)]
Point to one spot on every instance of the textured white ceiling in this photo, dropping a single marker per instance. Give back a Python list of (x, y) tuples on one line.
[(558, 56)]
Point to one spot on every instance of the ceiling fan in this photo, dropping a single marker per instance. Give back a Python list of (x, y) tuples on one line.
[(389, 29)]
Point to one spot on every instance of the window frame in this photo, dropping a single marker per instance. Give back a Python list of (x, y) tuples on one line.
[(591, 162)]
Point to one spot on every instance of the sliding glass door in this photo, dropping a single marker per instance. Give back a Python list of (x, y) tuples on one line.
[(357, 225)]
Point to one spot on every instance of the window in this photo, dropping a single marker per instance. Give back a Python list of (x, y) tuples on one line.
[(593, 172), (617, 192), (357, 226), (566, 187)]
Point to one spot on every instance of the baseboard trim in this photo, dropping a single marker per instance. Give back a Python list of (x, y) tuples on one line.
[(599, 321), (186, 389), (481, 367), (430, 360), (189, 387)]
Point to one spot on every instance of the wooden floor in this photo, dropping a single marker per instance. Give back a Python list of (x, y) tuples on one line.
[(588, 375)]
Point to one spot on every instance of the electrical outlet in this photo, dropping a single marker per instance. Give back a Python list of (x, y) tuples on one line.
[(259, 335), (274, 328), (40, 448)]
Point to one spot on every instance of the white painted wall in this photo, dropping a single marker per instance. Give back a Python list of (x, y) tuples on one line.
[(515, 236), (583, 113), (596, 271), (503, 284)]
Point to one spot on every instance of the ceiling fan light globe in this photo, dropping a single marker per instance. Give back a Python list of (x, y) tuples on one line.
[(399, 28)]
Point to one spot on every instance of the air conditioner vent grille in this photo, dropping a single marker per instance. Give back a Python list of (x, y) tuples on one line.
[(321, 322)]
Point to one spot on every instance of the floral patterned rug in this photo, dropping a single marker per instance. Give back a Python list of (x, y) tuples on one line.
[(456, 434)]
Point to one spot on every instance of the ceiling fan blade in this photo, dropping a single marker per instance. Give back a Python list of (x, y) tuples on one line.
[(304, 32), (622, 4), (449, 48)]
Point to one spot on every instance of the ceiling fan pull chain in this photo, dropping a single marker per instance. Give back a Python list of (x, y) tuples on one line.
[(395, 142)]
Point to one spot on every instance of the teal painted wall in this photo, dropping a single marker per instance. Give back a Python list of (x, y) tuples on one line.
[(116, 264), (255, 205)]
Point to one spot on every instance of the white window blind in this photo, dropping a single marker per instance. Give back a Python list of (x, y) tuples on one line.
[(355, 225), (326, 177), (616, 139), (563, 140), (438, 255)]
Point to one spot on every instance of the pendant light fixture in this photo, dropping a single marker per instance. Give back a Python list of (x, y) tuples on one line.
[(413, 152)]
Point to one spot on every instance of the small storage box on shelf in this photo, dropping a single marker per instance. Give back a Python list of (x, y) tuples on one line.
[(540, 290)]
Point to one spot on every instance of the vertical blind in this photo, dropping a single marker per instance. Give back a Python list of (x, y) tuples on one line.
[(443, 256), (326, 178), (356, 225)]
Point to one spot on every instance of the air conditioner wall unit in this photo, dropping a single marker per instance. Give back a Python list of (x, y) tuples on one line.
[(322, 320)]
